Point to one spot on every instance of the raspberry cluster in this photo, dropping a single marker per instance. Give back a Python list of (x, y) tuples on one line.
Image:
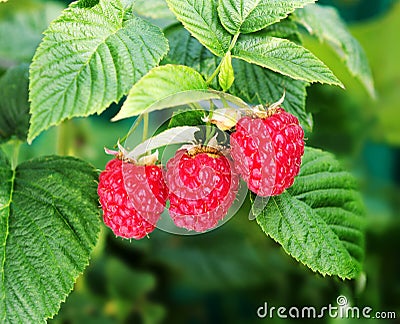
[(201, 183)]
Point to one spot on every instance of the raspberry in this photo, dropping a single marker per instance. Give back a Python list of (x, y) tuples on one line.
[(267, 151), (132, 197), (202, 185)]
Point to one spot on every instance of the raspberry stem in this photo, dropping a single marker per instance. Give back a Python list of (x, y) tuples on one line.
[(16, 150), (216, 72), (145, 126), (135, 125), (210, 131), (65, 135)]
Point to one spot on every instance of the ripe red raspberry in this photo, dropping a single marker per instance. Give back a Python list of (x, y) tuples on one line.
[(202, 186), (267, 151), (132, 197)]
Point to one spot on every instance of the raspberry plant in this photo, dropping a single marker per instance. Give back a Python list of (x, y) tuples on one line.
[(160, 55)]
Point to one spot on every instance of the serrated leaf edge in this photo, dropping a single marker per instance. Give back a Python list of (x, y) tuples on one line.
[(84, 266), (355, 267), (337, 82), (32, 136), (295, 7)]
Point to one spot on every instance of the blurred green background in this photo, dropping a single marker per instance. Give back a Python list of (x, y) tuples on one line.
[(225, 275)]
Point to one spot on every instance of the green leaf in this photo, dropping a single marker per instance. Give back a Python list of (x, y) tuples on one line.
[(88, 59), (283, 29), (187, 50), (283, 56), (258, 85), (325, 23), (21, 25), (253, 83), (319, 220), (200, 17), (49, 223), (165, 86), (187, 117), (248, 16), (87, 3), (226, 75), (14, 105)]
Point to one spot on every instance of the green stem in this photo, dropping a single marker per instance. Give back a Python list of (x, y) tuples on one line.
[(64, 138), (16, 150), (224, 102), (215, 73), (145, 126), (196, 106), (135, 125), (210, 132), (211, 111), (233, 42), (145, 118)]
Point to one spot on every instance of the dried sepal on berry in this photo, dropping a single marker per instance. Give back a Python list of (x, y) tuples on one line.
[(224, 118)]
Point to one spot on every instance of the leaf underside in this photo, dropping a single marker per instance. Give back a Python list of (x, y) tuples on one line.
[(226, 75), (325, 23), (165, 86)]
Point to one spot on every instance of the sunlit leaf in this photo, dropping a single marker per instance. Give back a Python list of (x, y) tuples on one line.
[(285, 57), (200, 17), (248, 16), (88, 59), (325, 23)]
